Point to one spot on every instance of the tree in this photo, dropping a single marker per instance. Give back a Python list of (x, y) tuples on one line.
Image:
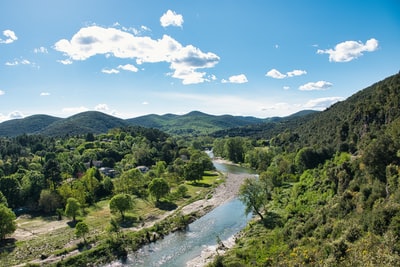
[(252, 193), (49, 201), (81, 230), (72, 209), (7, 221), (121, 203), (158, 188), (52, 173), (11, 189), (193, 171)]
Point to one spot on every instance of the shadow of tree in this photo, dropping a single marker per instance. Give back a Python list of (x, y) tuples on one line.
[(166, 205), (201, 184), (129, 221), (7, 245), (272, 220)]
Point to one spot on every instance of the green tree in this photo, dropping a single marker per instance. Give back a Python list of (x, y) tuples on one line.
[(193, 171), (11, 189), (81, 230), (121, 203), (7, 221), (49, 201), (52, 173), (72, 209), (158, 188), (253, 194)]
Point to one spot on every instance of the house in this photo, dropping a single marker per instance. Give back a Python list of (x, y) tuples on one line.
[(142, 169)]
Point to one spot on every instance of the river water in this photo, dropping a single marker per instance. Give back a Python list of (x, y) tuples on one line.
[(178, 248)]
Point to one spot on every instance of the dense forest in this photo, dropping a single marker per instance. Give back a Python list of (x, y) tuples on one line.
[(328, 192)]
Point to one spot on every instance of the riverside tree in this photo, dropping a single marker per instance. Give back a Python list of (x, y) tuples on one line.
[(158, 188), (72, 208), (121, 203), (253, 195)]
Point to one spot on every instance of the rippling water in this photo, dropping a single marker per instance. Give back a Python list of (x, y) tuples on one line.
[(178, 248)]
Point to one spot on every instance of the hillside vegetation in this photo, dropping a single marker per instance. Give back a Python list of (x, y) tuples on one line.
[(331, 186)]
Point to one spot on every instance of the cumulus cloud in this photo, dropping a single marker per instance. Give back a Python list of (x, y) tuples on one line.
[(2, 92), (185, 61), (40, 50), (128, 67), (286, 87), (276, 74), (349, 50), (322, 103), (241, 78), (320, 85), (10, 37), (44, 94), (145, 103), (170, 18)]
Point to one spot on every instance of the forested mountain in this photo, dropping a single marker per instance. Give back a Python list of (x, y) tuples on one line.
[(343, 124), (85, 122), (32, 124), (193, 123)]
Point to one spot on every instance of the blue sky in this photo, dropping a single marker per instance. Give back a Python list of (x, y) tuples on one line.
[(130, 58)]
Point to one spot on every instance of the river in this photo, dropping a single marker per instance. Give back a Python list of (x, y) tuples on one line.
[(178, 248)]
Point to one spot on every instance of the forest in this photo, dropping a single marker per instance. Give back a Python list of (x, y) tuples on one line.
[(328, 192)]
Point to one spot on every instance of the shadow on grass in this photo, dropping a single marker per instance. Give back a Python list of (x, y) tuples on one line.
[(128, 221), (166, 205), (7, 245), (72, 224), (200, 184), (272, 220)]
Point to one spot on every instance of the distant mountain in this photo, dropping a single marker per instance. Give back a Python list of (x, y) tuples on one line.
[(29, 125), (85, 122), (194, 122)]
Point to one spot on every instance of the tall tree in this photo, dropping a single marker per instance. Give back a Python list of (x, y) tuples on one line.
[(121, 203), (158, 188), (253, 194), (72, 209)]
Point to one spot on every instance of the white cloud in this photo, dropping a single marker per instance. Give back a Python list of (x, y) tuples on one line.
[(296, 73), (145, 103), (185, 61), (170, 18), (286, 87), (2, 92), (65, 61), (349, 50), (320, 85), (241, 78), (322, 103), (42, 50), (128, 67), (110, 71), (10, 116), (17, 62), (276, 74), (102, 107), (16, 115), (44, 94), (10, 37)]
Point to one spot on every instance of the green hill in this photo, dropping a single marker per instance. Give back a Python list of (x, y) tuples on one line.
[(29, 125), (85, 122)]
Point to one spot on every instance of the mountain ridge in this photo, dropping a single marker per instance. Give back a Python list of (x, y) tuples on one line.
[(194, 122)]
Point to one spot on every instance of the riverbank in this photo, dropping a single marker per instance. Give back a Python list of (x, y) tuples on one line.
[(223, 193)]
